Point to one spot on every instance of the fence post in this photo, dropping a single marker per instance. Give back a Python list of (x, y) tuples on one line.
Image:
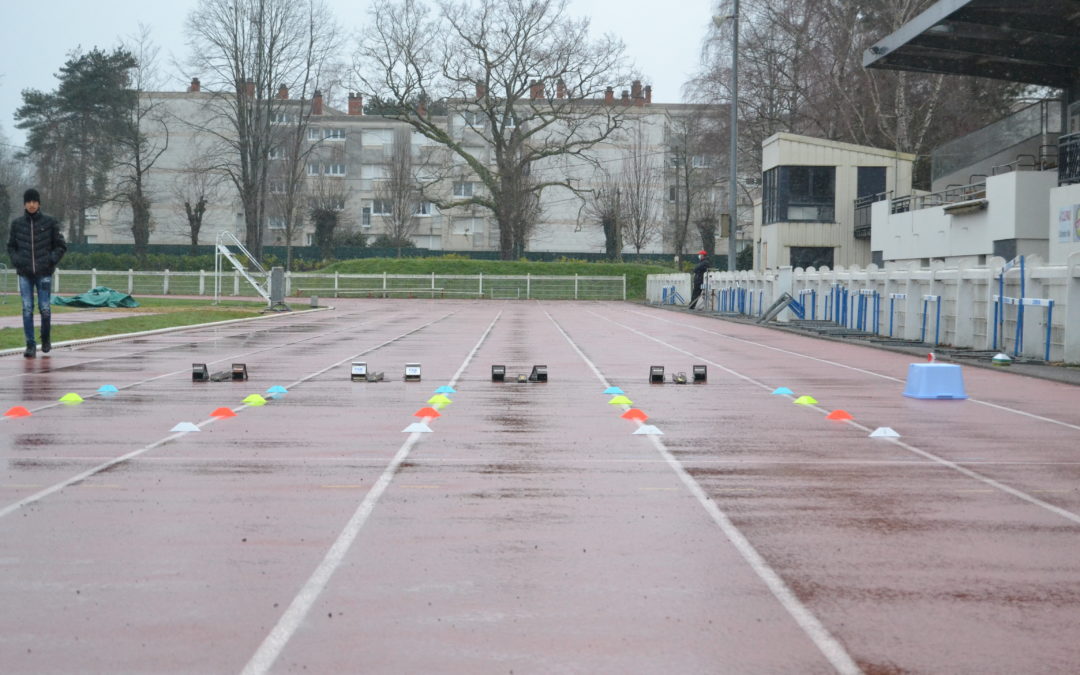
[(131, 281), (575, 287), (236, 283), (528, 286), (165, 284), (481, 292), (93, 278), (202, 282)]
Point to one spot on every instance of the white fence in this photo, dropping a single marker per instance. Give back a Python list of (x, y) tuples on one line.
[(1024, 307), (303, 284)]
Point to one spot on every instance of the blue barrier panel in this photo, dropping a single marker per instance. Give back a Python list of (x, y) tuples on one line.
[(937, 323), (893, 297)]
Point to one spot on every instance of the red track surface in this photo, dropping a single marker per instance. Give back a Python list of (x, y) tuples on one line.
[(532, 531)]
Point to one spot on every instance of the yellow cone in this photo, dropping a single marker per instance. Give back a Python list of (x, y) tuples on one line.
[(71, 398), (805, 400), (620, 400)]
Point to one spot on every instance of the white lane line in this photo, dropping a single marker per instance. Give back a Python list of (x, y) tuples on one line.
[(988, 404), (829, 646), (1020, 494), (294, 616), (53, 489)]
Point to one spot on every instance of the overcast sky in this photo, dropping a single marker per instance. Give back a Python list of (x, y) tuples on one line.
[(663, 41)]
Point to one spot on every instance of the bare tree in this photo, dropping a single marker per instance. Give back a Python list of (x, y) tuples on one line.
[(800, 64), (640, 194), (398, 190), (517, 78), (327, 201), (247, 50), (144, 139), (691, 143), (605, 206), (196, 188)]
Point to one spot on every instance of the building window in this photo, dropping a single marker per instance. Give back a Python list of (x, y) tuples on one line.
[(423, 209), (314, 133), (701, 161), (672, 193), (812, 256), (312, 169), (381, 207), (799, 194), (281, 118), (276, 187), (334, 134), (463, 189), (334, 169), (276, 223), (474, 119), (310, 238), (276, 153), (365, 216)]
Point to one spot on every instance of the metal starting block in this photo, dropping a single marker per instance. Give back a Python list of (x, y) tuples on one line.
[(539, 374), (412, 372), (656, 374), (239, 371), (199, 373), (358, 372), (498, 373), (700, 374)]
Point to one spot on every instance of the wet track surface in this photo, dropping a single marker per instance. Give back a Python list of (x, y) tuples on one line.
[(532, 531)]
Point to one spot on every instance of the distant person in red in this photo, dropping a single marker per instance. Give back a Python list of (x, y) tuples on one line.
[(36, 245), (698, 278)]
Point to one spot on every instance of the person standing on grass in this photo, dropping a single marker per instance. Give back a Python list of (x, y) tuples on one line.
[(36, 246)]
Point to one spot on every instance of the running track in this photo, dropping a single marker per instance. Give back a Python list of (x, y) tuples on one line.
[(532, 531)]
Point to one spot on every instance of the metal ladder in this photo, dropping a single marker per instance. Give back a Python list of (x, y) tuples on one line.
[(240, 261)]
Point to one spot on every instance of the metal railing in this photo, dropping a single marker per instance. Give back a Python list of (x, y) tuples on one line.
[(233, 283)]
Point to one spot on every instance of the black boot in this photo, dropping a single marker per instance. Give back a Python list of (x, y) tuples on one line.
[(31, 350), (46, 343)]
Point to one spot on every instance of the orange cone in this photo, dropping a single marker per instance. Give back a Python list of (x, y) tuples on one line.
[(17, 411), (427, 412), (634, 414), (839, 415), (223, 412)]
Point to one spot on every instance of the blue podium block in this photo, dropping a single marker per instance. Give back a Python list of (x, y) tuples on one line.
[(935, 380)]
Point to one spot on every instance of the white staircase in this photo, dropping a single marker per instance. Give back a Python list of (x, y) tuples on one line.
[(242, 261)]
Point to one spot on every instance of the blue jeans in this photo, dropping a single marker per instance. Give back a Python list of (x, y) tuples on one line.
[(27, 286)]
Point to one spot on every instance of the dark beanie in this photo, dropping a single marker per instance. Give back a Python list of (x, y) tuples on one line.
[(31, 195)]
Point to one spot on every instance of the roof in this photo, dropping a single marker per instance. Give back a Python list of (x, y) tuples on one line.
[(787, 137), (1034, 42)]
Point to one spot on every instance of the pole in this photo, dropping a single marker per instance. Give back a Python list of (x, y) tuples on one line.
[(733, 148)]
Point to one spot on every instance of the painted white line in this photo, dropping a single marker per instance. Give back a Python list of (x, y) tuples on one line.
[(829, 646), (135, 453), (294, 616), (996, 406), (1068, 515)]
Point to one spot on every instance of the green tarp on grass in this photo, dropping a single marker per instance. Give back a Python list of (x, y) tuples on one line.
[(97, 297)]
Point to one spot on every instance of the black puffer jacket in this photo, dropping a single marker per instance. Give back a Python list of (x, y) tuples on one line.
[(35, 244)]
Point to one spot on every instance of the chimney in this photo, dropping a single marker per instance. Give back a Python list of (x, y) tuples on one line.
[(635, 89), (536, 90), (481, 90), (283, 93), (356, 104), (625, 97), (249, 88), (316, 103), (195, 85), (609, 95), (648, 93), (560, 89)]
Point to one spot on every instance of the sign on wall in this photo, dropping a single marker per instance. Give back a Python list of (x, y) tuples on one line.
[(1069, 224)]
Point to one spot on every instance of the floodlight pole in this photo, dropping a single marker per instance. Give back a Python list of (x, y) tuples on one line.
[(733, 146)]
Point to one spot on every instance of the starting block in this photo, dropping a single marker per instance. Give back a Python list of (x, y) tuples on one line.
[(701, 374), (412, 372), (656, 374), (539, 374), (199, 373), (239, 371), (358, 372), (498, 373)]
